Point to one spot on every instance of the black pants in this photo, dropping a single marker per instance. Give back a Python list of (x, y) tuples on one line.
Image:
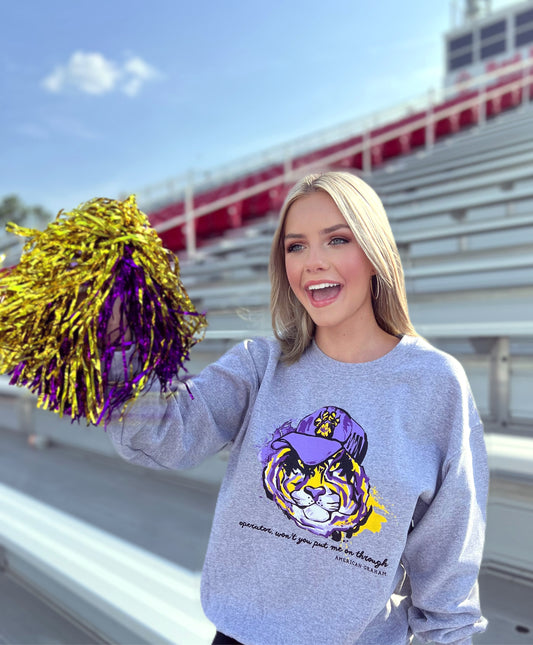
[(222, 639)]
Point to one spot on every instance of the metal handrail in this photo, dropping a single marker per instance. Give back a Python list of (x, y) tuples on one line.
[(509, 329), (327, 136), (369, 141)]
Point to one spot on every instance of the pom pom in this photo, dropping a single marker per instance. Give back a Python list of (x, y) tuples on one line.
[(96, 281)]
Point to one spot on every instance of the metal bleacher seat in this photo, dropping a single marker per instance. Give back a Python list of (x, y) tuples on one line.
[(500, 142)]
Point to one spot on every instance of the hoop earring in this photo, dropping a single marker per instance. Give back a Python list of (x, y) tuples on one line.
[(375, 294)]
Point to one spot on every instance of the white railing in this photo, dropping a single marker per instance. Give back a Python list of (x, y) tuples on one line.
[(201, 179), (184, 187), (518, 329)]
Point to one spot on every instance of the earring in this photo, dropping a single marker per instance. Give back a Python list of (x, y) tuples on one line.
[(375, 294)]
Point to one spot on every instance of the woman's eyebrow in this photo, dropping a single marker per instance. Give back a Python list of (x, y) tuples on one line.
[(332, 229), (325, 231)]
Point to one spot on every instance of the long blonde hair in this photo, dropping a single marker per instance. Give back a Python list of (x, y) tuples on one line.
[(363, 211)]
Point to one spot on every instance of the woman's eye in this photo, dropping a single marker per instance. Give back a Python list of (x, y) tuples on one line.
[(294, 247), (339, 240)]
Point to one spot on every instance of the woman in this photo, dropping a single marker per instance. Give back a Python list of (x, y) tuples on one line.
[(352, 510)]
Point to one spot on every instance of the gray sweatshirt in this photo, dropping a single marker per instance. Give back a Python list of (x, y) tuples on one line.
[(353, 506)]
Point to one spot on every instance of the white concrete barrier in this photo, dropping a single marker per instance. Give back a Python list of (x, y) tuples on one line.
[(510, 455), (510, 509), (122, 592)]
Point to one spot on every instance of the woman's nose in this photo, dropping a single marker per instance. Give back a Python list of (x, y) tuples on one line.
[(316, 260)]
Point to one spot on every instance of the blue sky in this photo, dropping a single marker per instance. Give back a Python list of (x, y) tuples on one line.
[(104, 98)]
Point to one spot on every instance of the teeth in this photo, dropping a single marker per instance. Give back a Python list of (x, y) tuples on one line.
[(324, 285)]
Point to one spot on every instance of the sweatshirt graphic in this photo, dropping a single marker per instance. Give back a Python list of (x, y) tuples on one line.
[(314, 473)]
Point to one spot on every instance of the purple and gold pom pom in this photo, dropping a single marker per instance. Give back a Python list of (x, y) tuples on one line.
[(95, 282)]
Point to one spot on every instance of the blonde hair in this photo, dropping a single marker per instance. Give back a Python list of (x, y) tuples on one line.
[(363, 211)]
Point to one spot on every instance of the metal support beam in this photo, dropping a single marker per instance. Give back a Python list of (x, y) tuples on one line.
[(367, 152), (500, 379), (190, 231), (430, 122), (482, 116)]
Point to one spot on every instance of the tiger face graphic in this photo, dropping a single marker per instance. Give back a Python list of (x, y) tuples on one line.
[(314, 474)]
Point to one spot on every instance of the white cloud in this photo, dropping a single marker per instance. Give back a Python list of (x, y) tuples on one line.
[(139, 68), (88, 72), (92, 73), (136, 72)]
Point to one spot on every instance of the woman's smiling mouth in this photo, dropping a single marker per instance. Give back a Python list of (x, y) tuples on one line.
[(322, 293)]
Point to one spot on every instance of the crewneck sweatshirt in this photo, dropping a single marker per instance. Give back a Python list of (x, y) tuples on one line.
[(353, 506)]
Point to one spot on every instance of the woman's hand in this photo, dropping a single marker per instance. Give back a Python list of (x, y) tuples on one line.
[(117, 320)]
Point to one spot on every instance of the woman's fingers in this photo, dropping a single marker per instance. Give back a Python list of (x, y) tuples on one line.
[(117, 326)]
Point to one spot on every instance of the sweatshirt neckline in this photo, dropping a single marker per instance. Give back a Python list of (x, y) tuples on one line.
[(388, 360)]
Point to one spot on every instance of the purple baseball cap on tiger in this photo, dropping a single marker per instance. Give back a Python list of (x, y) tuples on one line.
[(323, 433)]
